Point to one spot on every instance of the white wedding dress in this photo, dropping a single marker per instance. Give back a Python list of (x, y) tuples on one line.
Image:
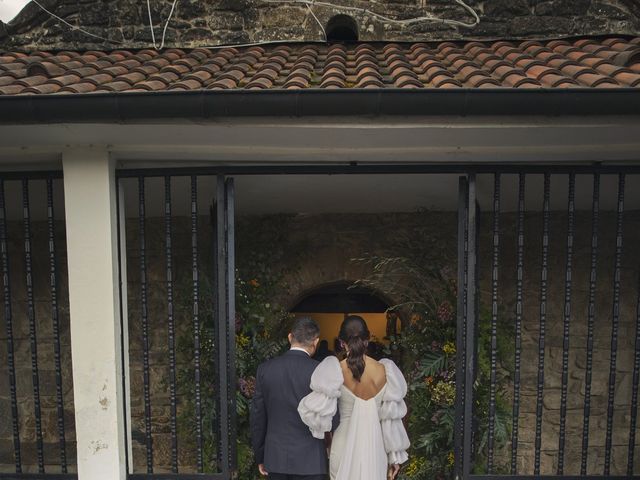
[(371, 435)]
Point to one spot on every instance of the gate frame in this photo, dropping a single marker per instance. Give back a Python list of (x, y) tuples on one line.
[(468, 221)]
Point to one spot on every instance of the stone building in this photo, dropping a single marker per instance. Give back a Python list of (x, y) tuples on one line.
[(129, 152)]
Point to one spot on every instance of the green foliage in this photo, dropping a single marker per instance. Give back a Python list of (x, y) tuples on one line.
[(420, 277), (261, 327)]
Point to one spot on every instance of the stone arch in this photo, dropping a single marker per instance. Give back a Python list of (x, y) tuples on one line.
[(369, 299), (342, 28)]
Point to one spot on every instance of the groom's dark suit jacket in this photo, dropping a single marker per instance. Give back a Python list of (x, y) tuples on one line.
[(280, 440)]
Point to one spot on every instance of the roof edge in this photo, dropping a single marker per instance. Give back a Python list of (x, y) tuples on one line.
[(204, 105)]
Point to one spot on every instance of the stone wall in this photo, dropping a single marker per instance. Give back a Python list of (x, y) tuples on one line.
[(196, 23)]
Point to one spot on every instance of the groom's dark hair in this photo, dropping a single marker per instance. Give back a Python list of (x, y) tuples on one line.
[(305, 330)]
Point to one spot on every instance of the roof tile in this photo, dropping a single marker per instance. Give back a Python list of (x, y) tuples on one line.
[(581, 63)]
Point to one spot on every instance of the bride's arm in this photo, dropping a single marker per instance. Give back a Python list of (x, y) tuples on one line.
[(319, 407), (392, 411)]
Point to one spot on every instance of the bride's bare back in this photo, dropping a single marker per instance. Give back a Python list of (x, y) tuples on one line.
[(372, 382)]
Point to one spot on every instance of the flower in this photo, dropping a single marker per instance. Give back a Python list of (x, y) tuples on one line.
[(242, 340), (445, 312), (443, 393), (254, 283), (415, 466), (247, 386), (449, 348), (450, 458)]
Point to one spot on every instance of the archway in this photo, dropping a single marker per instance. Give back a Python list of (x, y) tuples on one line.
[(329, 304)]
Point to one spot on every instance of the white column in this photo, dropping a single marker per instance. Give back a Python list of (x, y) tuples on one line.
[(90, 208)]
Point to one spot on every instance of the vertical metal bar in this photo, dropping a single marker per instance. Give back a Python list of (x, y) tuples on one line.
[(221, 310), (145, 323), (196, 318), (231, 318), (591, 313), (518, 326), (31, 314), (634, 391), (171, 324), (53, 283), (566, 322), (471, 319), (615, 317), (494, 321), (217, 366), (460, 327), (124, 334), (8, 319), (543, 317)]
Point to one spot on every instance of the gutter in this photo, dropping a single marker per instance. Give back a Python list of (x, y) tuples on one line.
[(139, 107)]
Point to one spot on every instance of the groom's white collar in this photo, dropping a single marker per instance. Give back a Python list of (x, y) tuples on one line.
[(299, 349)]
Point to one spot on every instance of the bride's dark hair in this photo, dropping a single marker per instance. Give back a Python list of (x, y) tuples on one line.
[(355, 334)]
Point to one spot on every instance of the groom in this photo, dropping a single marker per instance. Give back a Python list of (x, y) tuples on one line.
[(283, 446)]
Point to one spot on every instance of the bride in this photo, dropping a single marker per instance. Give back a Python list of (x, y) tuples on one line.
[(371, 442)]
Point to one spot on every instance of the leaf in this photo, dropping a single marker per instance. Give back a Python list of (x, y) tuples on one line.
[(433, 363)]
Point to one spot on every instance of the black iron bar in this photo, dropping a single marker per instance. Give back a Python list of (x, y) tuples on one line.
[(221, 309), (552, 477), (634, 391), (381, 169), (39, 476), (591, 313), (31, 314), (518, 325), (231, 318), (471, 319), (615, 317), (171, 324), (566, 324), (494, 322), (196, 319), (53, 281), (174, 476), (461, 326), (543, 318), (8, 319), (146, 392)]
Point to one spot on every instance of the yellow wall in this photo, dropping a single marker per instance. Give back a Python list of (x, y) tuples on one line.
[(330, 324)]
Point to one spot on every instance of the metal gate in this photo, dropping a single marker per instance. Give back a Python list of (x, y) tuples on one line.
[(35, 368), (482, 243), (211, 334), (471, 416)]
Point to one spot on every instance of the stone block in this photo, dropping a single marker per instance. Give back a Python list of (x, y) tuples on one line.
[(506, 8), (539, 25)]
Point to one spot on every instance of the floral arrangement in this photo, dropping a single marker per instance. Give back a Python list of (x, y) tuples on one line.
[(421, 278)]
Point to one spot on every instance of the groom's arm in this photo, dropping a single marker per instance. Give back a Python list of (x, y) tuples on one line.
[(258, 419)]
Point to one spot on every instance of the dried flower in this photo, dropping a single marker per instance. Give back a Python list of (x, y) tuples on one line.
[(242, 340), (247, 386), (445, 312), (443, 393), (449, 348)]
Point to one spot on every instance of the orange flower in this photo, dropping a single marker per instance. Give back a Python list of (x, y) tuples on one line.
[(254, 283)]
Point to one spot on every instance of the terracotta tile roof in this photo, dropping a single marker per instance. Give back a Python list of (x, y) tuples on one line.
[(589, 63)]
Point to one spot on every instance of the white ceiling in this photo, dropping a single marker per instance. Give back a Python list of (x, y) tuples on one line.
[(338, 140)]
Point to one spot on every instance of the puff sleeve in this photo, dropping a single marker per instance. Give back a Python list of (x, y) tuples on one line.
[(392, 410), (319, 407)]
